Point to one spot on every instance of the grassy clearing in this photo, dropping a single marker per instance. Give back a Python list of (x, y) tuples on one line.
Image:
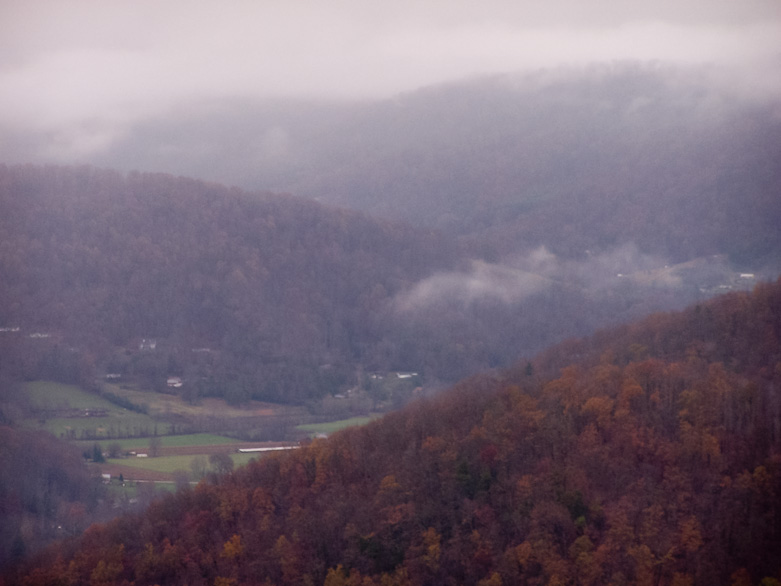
[(166, 441), (99, 428), (170, 464), (333, 426), (130, 489), (167, 464), (50, 396), (161, 404), (67, 411)]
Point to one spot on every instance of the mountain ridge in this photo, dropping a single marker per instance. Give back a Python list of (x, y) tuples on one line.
[(658, 466), (292, 299), (512, 162)]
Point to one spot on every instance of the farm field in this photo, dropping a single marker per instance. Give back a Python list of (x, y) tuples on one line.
[(333, 426), (52, 395), (166, 441), (164, 467), (70, 412), (170, 464), (86, 419), (161, 404)]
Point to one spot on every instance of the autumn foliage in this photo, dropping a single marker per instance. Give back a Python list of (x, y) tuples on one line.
[(652, 457)]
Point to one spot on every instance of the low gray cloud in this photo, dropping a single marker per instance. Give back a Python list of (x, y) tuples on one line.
[(482, 281), (84, 70), (519, 277)]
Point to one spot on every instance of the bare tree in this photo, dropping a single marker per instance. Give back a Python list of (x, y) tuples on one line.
[(221, 463), (154, 447)]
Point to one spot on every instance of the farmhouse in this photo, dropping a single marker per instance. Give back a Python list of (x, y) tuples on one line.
[(148, 344)]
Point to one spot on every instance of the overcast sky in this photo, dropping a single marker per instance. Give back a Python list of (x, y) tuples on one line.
[(90, 68)]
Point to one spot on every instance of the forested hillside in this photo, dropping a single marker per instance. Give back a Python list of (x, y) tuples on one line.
[(651, 456), (673, 159), (280, 293), (46, 491), (275, 297)]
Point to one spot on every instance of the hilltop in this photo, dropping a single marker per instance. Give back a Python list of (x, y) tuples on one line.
[(672, 159), (254, 295), (646, 454), (257, 294)]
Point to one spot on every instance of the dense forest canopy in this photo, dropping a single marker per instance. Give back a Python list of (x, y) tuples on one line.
[(674, 159), (652, 457), (275, 297), (46, 491), (270, 283), (546, 205), (223, 230)]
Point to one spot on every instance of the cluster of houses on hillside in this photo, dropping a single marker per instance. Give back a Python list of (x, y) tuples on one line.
[(18, 329)]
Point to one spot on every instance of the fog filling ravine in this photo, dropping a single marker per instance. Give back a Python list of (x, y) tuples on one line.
[(407, 294)]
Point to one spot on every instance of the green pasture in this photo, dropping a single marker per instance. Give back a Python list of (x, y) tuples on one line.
[(162, 404), (170, 464), (50, 397), (130, 488), (166, 441), (100, 428), (333, 426), (155, 403)]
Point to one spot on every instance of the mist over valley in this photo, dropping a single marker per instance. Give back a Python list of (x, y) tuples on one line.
[(402, 295)]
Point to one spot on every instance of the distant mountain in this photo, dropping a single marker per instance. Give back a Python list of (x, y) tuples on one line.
[(273, 297), (673, 160), (284, 294), (652, 457)]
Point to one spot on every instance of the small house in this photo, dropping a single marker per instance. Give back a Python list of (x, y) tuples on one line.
[(147, 344)]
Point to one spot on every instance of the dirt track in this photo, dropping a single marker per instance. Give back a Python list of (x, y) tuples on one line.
[(131, 473)]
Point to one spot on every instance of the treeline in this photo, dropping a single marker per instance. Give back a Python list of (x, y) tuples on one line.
[(46, 492), (670, 158), (266, 296), (655, 464), (580, 159), (282, 292)]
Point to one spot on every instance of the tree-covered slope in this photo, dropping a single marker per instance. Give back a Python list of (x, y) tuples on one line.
[(670, 159), (652, 458), (46, 492), (282, 291), (274, 297), (674, 159)]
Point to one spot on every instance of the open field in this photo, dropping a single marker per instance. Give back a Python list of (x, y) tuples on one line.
[(333, 426), (99, 428), (163, 467), (50, 395), (166, 441), (86, 418), (72, 413), (69, 412), (163, 405)]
